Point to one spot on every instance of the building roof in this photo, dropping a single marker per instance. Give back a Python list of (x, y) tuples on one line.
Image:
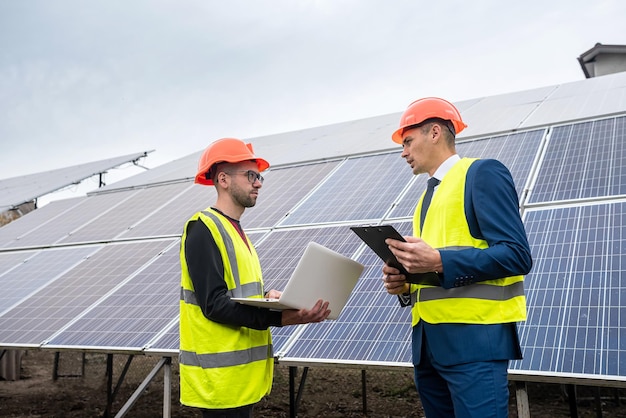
[(589, 59)]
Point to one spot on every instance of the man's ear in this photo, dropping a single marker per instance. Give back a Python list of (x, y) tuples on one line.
[(435, 131)]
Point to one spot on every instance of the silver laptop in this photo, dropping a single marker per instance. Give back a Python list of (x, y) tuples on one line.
[(321, 273)]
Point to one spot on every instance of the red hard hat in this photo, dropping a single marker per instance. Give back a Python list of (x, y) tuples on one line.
[(426, 108), (227, 150)]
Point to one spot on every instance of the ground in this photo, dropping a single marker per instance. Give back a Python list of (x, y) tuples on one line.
[(328, 392)]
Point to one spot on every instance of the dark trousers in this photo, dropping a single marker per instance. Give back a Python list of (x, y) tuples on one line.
[(241, 412), (469, 390)]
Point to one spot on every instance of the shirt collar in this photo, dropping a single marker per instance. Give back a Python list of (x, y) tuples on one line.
[(446, 166)]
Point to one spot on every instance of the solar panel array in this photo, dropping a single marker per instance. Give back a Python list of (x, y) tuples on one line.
[(17, 190), (102, 272)]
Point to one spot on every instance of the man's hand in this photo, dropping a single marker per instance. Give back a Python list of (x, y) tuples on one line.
[(394, 282), (415, 255), (318, 313)]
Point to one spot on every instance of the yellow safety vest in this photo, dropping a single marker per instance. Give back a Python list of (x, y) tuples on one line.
[(223, 366), (446, 228)]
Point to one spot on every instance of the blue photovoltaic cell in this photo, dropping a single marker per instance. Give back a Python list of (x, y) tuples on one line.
[(85, 211), (360, 189), (11, 234), (576, 292), (168, 342), (134, 313), (37, 270), (371, 328), (111, 223), (282, 189), (37, 318), (583, 160), (280, 252), (170, 218), (516, 151)]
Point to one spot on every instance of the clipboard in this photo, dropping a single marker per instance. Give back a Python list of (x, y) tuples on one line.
[(375, 235)]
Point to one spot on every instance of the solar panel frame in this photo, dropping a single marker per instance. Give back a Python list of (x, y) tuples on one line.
[(167, 342)]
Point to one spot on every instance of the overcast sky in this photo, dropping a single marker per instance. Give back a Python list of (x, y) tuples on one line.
[(88, 80)]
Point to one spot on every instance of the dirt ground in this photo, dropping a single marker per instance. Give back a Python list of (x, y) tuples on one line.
[(328, 392)]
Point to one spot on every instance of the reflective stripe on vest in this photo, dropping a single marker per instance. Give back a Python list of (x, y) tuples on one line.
[(230, 250), (247, 290), (474, 291), (227, 359)]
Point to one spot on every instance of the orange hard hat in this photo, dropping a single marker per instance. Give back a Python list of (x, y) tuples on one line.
[(427, 108), (226, 150)]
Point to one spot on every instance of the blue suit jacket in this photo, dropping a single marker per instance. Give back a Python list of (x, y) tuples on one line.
[(492, 212)]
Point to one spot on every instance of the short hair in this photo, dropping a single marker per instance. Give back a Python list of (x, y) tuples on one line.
[(448, 134)]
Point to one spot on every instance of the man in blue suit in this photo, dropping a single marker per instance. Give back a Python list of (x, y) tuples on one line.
[(468, 233)]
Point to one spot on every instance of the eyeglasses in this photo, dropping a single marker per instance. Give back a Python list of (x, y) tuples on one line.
[(252, 175)]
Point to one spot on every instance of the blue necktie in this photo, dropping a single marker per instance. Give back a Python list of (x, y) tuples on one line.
[(430, 188)]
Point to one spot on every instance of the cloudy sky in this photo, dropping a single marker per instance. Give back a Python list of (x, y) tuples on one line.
[(87, 80)]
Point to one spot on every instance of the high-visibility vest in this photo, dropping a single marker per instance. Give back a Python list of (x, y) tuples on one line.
[(223, 366), (446, 228)]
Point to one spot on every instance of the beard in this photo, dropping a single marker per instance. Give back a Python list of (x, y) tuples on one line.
[(243, 198)]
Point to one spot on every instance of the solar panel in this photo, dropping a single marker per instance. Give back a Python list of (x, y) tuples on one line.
[(167, 342), (17, 190), (181, 169), (361, 189), (517, 151), (583, 160), (39, 268), (282, 190), (34, 220), (594, 97), (576, 292), (118, 219), (87, 210), (133, 313), (372, 328), (35, 319), (170, 218), (281, 250), (11, 260)]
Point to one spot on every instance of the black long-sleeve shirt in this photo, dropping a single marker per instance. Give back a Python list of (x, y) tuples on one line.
[(206, 269)]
